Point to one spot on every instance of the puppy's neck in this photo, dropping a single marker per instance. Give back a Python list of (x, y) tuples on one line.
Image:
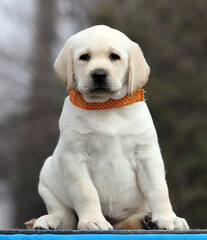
[(78, 100)]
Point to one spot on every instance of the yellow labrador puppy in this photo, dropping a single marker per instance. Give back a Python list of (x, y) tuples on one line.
[(107, 171)]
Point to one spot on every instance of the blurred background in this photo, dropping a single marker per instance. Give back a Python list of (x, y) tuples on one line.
[(173, 37)]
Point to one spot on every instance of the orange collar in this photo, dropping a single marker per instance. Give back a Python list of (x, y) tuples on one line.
[(78, 100)]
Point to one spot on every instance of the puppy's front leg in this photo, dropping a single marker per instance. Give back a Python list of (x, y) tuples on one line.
[(151, 179), (84, 195)]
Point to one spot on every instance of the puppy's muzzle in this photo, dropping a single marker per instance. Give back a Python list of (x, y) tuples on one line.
[(99, 78)]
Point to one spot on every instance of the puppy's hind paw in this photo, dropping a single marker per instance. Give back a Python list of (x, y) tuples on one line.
[(147, 223)]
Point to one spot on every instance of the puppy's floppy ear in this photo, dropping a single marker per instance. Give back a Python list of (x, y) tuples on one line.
[(138, 69), (63, 65)]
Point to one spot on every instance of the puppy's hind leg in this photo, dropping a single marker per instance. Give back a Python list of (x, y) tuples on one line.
[(141, 220), (59, 216)]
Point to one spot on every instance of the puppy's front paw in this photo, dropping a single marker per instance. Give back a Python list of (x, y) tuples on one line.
[(94, 225), (173, 223), (48, 222)]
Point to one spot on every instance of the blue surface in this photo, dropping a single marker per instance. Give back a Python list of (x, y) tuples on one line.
[(103, 235)]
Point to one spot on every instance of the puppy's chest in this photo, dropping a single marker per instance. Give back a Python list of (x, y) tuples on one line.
[(111, 147), (112, 161), (111, 152)]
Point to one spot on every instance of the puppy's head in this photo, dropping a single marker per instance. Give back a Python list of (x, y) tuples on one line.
[(101, 63)]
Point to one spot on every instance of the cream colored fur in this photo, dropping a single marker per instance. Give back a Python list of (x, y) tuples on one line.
[(107, 167)]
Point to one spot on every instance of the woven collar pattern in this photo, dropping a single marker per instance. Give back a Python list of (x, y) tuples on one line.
[(78, 100)]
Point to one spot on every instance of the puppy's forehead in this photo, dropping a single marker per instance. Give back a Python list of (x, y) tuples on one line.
[(101, 38)]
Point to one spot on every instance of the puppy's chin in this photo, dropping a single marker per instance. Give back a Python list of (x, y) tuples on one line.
[(97, 96), (104, 98)]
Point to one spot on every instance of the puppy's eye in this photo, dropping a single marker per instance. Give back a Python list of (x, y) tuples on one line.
[(114, 57), (85, 57)]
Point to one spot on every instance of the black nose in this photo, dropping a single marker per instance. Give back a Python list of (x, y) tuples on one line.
[(99, 75)]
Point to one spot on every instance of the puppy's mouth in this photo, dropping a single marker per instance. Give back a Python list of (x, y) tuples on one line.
[(99, 90), (97, 94)]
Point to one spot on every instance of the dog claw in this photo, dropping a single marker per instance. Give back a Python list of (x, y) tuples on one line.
[(51, 228), (40, 228)]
